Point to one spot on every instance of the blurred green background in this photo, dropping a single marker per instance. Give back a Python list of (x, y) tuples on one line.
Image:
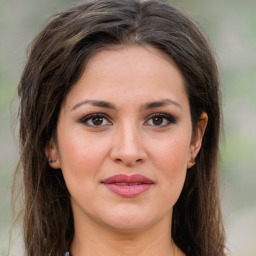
[(231, 28)]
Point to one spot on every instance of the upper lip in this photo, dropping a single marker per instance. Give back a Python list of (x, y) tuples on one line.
[(129, 179)]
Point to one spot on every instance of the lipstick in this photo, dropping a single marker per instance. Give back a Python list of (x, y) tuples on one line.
[(128, 186)]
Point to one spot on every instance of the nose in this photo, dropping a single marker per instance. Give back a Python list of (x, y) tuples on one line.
[(128, 147)]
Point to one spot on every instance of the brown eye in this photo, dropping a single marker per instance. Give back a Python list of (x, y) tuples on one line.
[(160, 120), (95, 120), (157, 120)]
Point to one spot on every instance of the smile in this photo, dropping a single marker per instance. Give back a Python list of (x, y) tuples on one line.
[(128, 186)]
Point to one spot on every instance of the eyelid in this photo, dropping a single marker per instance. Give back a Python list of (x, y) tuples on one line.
[(86, 118), (170, 118)]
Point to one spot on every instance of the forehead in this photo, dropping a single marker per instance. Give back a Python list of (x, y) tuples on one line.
[(113, 60), (129, 73)]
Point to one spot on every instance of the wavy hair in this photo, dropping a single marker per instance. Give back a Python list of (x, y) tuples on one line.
[(55, 62)]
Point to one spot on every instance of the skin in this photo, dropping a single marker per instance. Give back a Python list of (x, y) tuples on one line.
[(126, 140)]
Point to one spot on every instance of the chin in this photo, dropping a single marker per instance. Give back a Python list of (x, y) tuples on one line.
[(130, 220), (128, 227)]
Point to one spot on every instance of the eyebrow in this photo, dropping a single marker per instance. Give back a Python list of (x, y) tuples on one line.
[(97, 103), (105, 104), (161, 103)]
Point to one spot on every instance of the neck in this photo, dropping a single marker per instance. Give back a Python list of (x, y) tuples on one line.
[(103, 241)]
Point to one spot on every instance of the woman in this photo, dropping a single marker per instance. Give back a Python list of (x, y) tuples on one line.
[(119, 130)]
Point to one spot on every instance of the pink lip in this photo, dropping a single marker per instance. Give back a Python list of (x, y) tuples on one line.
[(128, 186)]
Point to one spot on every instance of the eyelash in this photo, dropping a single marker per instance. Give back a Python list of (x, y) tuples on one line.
[(89, 117), (169, 119)]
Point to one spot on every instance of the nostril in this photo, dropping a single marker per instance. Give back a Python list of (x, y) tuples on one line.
[(128, 161)]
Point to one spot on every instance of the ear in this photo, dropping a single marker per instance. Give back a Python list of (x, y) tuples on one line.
[(51, 153), (197, 139)]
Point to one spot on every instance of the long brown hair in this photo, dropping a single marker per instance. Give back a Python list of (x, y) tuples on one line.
[(56, 60)]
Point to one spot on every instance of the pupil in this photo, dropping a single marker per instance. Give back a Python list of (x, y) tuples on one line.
[(97, 120), (157, 120)]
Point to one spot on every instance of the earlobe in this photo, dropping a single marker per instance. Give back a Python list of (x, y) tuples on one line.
[(197, 139), (52, 154), (191, 162)]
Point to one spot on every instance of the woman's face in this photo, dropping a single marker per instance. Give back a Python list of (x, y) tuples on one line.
[(124, 139)]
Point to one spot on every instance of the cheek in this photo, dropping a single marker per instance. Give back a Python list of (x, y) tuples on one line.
[(171, 161), (172, 155), (81, 161), (81, 157)]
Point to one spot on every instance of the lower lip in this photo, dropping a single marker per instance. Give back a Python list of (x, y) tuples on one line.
[(128, 191)]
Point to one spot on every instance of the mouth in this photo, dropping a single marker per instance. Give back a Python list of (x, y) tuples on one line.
[(128, 186)]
